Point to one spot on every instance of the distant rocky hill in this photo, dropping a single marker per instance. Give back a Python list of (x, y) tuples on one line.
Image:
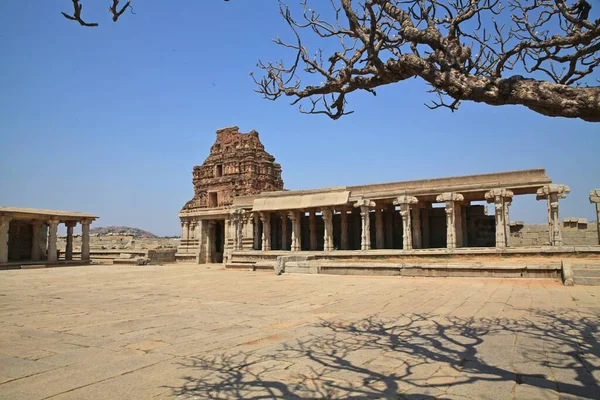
[(121, 230)]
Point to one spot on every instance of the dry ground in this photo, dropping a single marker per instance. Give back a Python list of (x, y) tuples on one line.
[(186, 331)]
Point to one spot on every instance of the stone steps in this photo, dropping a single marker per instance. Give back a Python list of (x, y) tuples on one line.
[(586, 280), (587, 272)]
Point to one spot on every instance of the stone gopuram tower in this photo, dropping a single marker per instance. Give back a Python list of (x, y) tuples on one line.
[(237, 165)]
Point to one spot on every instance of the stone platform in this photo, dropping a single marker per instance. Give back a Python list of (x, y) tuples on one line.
[(41, 264), (522, 262)]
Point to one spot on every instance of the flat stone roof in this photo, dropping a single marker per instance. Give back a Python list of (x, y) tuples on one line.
[(473, 187), (24, 213)]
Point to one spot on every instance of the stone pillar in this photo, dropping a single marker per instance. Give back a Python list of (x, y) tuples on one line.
[(192, 230), (201, 235), (69, 249), (35, 241), (296, 219), (52, 226), (312, 221), (226, 233), (379, 240), (552, 193), (453, 217), (85, 240), (501, 199), (344, 228), (209, 239), (4, 225), (265, 218), (365, 238), (255, 233), (284, 243), (416, 228), (328, 235), (595, 199), (237, 218), (389, 226), (185, 225), (507, 204), (407, 204)]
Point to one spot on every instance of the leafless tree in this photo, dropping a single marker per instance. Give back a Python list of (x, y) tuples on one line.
[(541, 54)]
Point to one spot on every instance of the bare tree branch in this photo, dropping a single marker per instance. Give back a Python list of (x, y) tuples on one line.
[(113, 9), (466, 50), (77, 15)]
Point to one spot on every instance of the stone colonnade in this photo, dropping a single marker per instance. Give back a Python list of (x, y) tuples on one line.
[(51, 253), (415, 234)]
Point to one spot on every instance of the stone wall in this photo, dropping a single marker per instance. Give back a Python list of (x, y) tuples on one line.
[(162, 256), (575, 232), (119, 242)]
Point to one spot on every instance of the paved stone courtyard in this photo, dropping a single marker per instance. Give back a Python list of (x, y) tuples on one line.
[(184, 331)]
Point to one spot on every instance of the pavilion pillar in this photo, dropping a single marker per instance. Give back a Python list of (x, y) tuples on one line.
[(295, 217), (453, 218), (595, 199), (389, 226), (344, 228), (284, 241), (407, 205), (365, 239), (52, 226), (85, 240), (552, 193), (379, 239), (35, 241), (328, 233), (501, 199), (4, 225), (265, 218), (69, 248), (312, 222)]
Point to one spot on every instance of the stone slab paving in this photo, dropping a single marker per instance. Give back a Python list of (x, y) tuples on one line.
[(191, 332)]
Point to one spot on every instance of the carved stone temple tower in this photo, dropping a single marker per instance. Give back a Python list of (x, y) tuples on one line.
[(237, 165)]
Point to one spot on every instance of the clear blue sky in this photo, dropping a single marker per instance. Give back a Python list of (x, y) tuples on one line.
[(111, 120)]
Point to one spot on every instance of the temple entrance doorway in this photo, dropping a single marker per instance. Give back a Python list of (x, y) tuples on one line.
[(218, 241)]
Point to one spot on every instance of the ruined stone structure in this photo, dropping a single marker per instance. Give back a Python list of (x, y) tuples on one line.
[(237, 165), (252, 219), (29, 235)]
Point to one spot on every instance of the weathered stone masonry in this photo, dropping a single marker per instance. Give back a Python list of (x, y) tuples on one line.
[(240, 206)]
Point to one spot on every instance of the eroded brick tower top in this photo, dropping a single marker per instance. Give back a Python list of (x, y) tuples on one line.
[(237, 165)]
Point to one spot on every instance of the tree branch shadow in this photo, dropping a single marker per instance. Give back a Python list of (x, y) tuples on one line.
[(416, 356)]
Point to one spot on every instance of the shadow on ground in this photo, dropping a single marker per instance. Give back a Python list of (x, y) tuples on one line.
[(418, 356)]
